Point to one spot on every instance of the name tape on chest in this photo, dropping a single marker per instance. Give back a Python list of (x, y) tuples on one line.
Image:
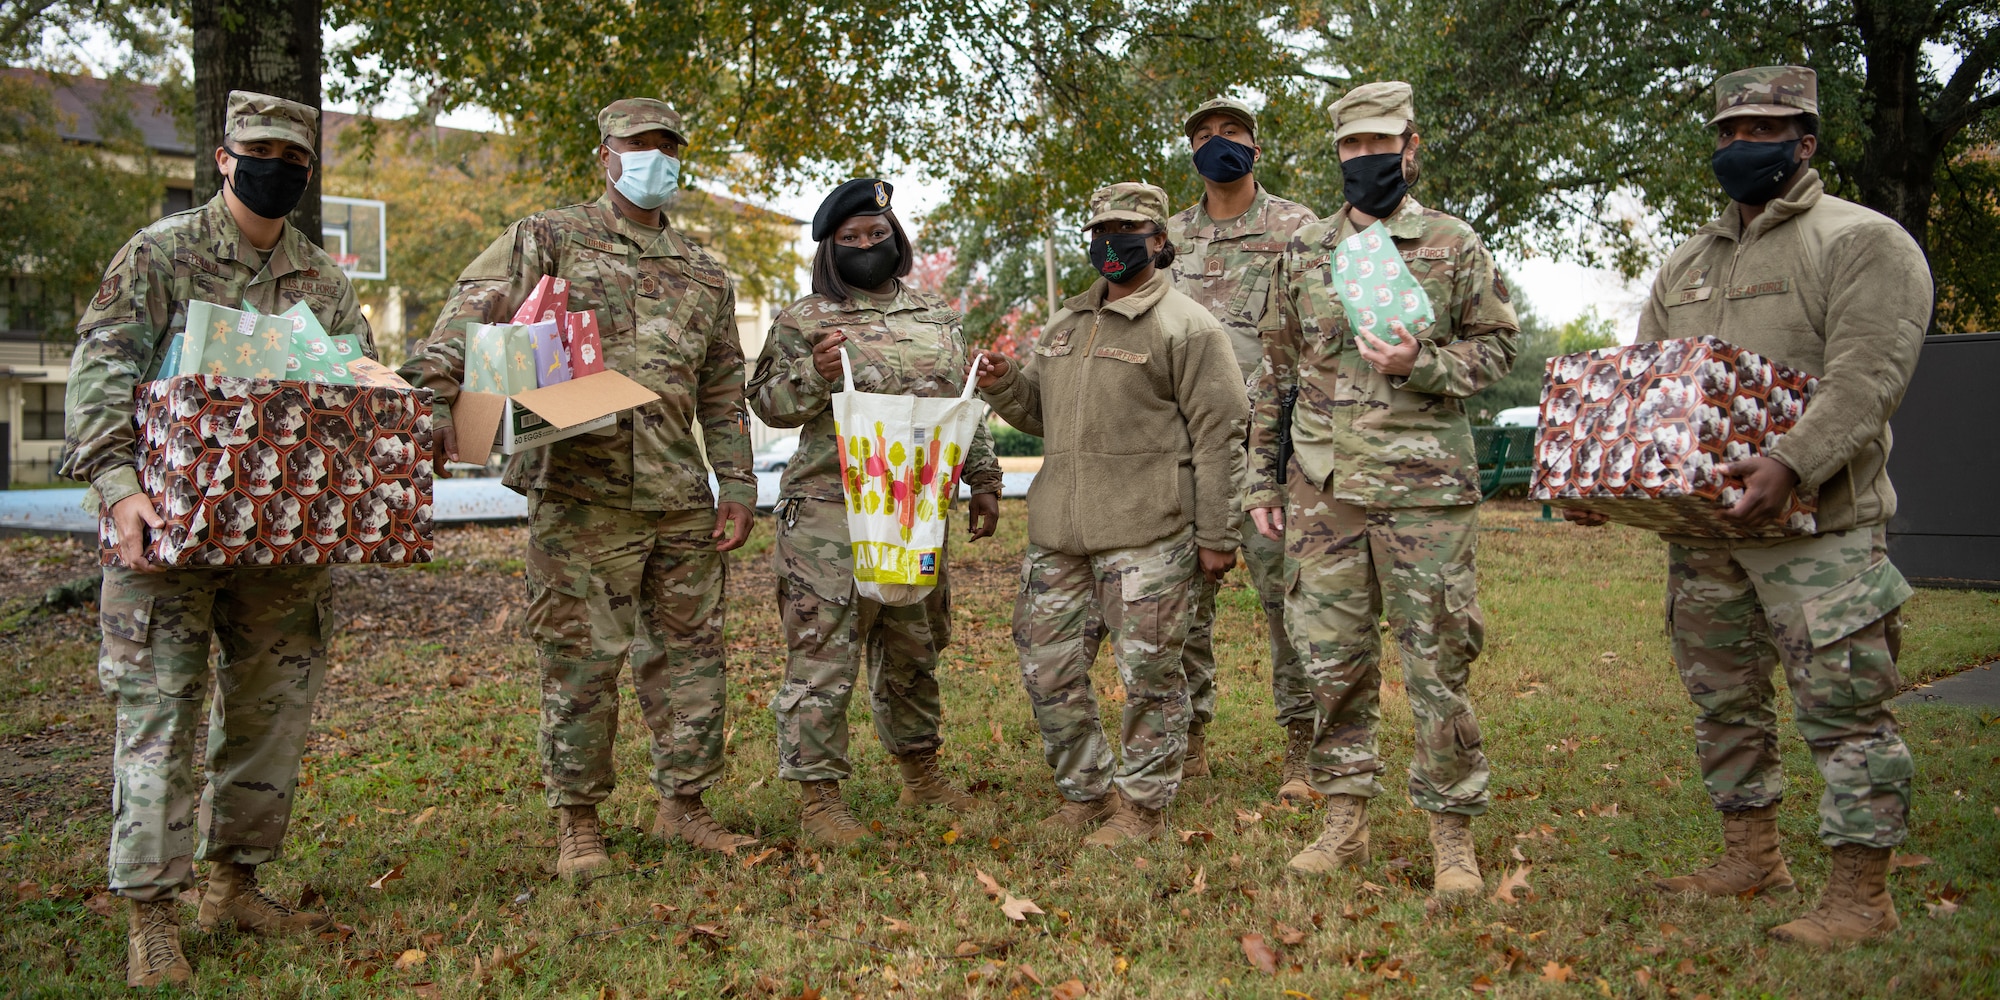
[(1775, 286), (1427, 253)]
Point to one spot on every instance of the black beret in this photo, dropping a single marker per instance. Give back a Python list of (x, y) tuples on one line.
[(860, 196)]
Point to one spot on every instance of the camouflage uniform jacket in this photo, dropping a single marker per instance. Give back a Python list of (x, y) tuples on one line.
[(1832, 289), (194, 256), (1376, 440), (1231, 269), (667, 316), (906, 343)]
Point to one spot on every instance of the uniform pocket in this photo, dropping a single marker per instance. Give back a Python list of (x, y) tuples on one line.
[(1889, 763), (1837, 613), (125, 664)]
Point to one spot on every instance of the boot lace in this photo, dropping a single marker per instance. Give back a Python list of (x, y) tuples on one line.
[(1454, 846), (159, 935), (700, 828), (582, 836), (827, 798), (1342, 812), (1297, 746)]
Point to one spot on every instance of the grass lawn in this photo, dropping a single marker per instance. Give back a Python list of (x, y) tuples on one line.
[(420, 824)]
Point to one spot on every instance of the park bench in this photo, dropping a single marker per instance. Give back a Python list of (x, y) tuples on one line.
[(1506, 457)]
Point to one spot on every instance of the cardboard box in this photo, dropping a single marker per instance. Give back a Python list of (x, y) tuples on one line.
[(1637, 433), (488, 422), (256, 472)]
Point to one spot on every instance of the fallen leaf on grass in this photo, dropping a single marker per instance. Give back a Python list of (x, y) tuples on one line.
[(1197, 834), (996, 733), (1200, 883), (1555, 972), (1605, 810), (1908, 861), (898, 926), (26, 890), (310, 897), (1515, 853), (1516, 880), (1260, 954), (424, 817), (966, 949), (710, 931), (1068, 989), (1028, 972), (1290, 935), (807, 992), (1373, 889), (949, 837), (1245, 817), (389, 876), (1643, 976), (103, 904), (759, 858), (1018, 909), (1942, 908), (410, 959), (501, 961), (1481, 984)]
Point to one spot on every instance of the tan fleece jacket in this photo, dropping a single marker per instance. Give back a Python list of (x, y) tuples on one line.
[(1141, 407), (1832, 289)]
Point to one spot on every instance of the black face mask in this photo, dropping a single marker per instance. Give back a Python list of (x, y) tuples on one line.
[(867, 268), (1374, 183), (271, 188), (1753, 173), (1223, 160), (1120, 257)]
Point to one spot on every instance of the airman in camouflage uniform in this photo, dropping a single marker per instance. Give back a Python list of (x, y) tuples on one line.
[(1229, 264), (622, 525), (902, 340), (272, 624), (1136, 391), (1769, 276), (1380, 502)]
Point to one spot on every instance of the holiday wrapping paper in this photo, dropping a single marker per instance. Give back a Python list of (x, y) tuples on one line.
[(256, 472), (1637, 433), (1376, 288)]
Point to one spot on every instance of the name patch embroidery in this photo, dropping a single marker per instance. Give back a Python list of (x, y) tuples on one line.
[(1687, 295), (1773, 287), (1117, 355), (1264, 247), (1427, 253), (321, 289)]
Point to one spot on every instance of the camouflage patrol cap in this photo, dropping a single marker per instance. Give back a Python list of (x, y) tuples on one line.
[(1385, 108), (249, 117), (1222, 106), (635, 115), (1767, 90), (1134, 201)]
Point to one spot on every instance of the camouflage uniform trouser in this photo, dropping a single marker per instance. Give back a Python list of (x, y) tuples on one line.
[(602, 578), (828, 629), (1354, 566), (1289, 692), (1825, 609), (272, 625), (1144, 599)]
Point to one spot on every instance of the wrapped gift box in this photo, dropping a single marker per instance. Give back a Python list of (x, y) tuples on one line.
[(255, 472), (1637, 433)]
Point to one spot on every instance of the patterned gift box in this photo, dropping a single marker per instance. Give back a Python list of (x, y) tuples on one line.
[(500, 358), (580, 339), (1637, 433), (255, 472), (1376, 288), (551, 358)]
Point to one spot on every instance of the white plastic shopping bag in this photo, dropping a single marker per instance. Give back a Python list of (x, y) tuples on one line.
[(900, 462)]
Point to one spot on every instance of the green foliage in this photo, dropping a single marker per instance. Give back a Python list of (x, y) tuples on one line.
[(1011, 443), (1587, 331), (1522, 385), (65, 207)]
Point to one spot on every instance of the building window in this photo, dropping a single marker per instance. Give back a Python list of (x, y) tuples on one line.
[(178, 200), (25, 305), (42, 412)]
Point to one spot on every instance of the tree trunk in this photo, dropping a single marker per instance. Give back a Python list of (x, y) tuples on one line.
[(264, 46), (1898, 168)]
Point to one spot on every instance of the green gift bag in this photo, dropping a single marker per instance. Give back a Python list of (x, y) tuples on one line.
[(224, 341), (499, 358), (1377, 290)]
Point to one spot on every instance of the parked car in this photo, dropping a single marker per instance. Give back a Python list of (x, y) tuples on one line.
[(775, 455)]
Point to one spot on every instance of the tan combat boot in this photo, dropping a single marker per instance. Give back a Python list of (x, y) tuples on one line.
[(825, 817), (1076, 817), (579, 841), (1855, 906), (1342, 841), (1751, 862), (685, 816), (1195, 764), (153, 946), (1132, 823), (1295, 776), (1455, 867), (234, 897), (924, 784)]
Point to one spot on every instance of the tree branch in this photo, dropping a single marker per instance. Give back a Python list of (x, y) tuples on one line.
[(1957, 96)]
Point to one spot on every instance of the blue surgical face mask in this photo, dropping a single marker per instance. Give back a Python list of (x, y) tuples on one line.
[(648, 177)]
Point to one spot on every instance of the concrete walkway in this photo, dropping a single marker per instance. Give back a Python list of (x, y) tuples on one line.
[(1978, 687), (454, 501)]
